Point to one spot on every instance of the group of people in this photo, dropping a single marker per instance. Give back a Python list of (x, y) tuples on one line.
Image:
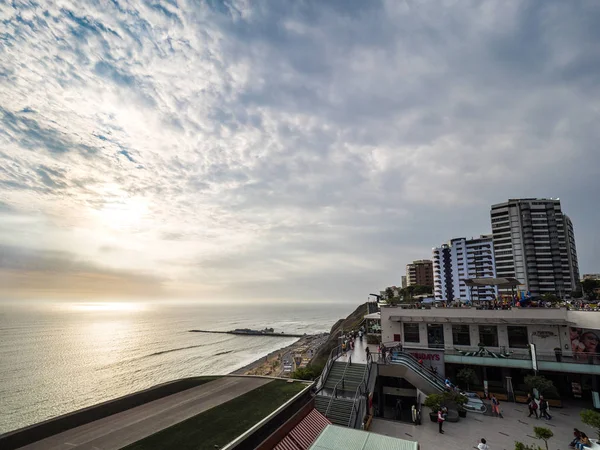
[(534, 405), (349, 338), (580, 440)]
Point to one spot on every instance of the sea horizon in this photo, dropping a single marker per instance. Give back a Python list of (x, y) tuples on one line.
[(62, 356)]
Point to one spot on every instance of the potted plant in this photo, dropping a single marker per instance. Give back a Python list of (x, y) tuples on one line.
[(434, 403)]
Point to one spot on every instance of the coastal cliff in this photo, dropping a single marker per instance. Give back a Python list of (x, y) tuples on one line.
[(352, 322)]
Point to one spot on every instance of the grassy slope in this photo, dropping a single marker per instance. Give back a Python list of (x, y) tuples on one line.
[(220, 425)]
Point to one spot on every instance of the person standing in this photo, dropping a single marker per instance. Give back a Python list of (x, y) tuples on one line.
[(441, 419), (495, 403), (483, 445), (532, 406), (544, 408)]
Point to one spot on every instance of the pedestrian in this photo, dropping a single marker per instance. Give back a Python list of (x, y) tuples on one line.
[(495, 403), (383, 350), (483, 445), (441, 419), (368, 352), (577, 437), (544, 408), (531, 403)]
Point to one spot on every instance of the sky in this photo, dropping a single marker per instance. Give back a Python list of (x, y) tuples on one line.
[(227, 150)]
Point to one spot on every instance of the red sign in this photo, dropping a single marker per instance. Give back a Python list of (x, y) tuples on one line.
[(427, 356)]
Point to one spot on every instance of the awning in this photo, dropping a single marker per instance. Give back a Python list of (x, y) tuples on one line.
[(304, 434), (375, 315)]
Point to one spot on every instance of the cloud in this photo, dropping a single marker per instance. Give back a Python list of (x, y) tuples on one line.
[(240, 148), (51, 274)]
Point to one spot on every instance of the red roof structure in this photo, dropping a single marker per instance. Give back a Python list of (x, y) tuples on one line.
[(302, 436)]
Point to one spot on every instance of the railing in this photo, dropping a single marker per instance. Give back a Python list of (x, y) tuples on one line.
[(489, 305), (398, 356), (361, 391), (335, 388), (333, 355), (581, 358)]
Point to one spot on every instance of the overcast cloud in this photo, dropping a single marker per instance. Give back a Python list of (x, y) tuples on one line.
[(282, 150)]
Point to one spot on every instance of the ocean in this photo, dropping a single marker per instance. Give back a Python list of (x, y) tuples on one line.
[(57, 358)]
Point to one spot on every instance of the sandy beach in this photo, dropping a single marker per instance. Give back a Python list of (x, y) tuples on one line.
[(272, 364)]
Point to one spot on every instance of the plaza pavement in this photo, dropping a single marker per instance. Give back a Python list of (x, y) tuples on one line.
[(500, 434)]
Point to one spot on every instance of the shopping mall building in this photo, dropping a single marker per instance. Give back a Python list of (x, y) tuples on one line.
[(501, 345)]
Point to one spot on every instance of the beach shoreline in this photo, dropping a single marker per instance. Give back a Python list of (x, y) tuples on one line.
[(272, 364)]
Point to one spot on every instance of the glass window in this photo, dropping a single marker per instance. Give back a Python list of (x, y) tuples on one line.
[(517, 337), (488, 335), (461, 335), (435, 335), (411, 332)]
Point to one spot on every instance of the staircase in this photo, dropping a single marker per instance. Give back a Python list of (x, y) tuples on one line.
[(337, 410), (352, 374), (335, 374)]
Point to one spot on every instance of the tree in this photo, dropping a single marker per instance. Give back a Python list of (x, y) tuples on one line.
[(419, 289), (550, 298), (591, 418), (544, 434), (467, 376), (521, 446), (589, 286), (543, 385), (309, 372), (389, 293)]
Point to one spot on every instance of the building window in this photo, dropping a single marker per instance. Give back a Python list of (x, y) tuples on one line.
[(488, 335), (517, 337), (411, 332), (461, 335), (397, 338), (435, 335)]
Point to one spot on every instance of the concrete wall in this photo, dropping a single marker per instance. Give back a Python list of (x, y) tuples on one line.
[(42, 430)]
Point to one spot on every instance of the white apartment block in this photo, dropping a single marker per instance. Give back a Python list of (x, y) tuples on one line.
[(462, 259)]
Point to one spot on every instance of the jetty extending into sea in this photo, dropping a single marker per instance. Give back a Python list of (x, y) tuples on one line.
[(251, 333)]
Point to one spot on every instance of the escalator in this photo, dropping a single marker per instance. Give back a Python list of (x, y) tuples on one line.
[(416, 374)]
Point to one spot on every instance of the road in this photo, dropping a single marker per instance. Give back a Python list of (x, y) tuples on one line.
[(119, 430)]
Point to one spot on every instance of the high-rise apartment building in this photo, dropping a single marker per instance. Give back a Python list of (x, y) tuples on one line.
[(534, 242), (404, 281), (419, 272), (462, 259)]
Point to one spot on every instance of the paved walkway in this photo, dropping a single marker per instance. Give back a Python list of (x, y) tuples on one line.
[(500, 434), (359, 354), (119, 430)]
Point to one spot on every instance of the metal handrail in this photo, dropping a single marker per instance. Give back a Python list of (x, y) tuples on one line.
[(359, 392), (357, 396), (416, 361), (333, 355), (335, 388), (435, 378)]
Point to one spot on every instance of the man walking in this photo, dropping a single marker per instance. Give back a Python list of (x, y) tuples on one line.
[(544, 408), (441, 419)]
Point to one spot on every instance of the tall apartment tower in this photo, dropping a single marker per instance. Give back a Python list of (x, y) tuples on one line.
[(462, 259), (534, 242), (419, 272)]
